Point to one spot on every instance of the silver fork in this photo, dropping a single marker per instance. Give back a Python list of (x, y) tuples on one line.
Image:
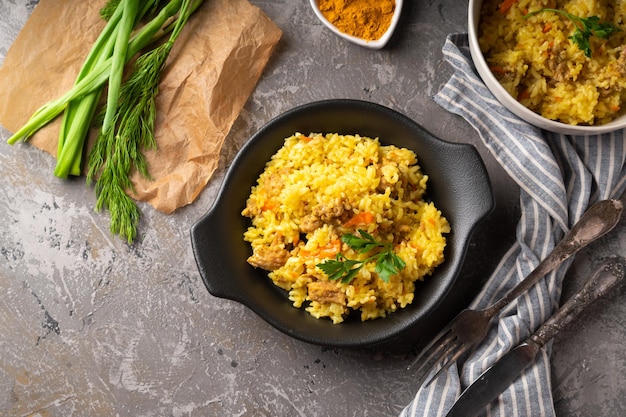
[(469, 327)]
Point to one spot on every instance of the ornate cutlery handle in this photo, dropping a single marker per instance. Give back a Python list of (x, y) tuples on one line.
[(609, 275), (597, 221)]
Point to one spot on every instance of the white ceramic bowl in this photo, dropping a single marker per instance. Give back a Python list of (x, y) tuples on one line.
[(375, 44), (511, 103)]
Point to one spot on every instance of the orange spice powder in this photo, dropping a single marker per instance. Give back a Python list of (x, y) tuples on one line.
[(365, 19)]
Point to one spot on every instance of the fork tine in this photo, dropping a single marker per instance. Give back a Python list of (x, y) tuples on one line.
[(459, 349), (433, 349), (445, 366)]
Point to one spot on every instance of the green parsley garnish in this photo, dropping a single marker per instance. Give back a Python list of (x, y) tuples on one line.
[(585, 28), (387, 262)]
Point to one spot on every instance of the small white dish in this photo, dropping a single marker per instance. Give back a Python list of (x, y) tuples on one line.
[(372, 44), (511, 103)]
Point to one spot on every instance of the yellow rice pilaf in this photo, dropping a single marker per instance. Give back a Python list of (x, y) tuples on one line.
[(317, 188), (537, 63)]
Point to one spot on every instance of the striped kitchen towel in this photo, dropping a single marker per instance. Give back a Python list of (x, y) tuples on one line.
[(559, 176)]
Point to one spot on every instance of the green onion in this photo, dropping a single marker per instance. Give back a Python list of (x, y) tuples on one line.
[(79, 112), (127, 121)]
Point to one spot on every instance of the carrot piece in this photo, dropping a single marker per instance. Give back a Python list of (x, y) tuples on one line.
[(523, 95), (506, 5), (331, 249), (363, 217), (269, 205)]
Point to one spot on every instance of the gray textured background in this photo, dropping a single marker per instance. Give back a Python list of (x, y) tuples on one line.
[(91, 327)]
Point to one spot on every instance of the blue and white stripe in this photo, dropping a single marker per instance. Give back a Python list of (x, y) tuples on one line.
[(559, 176)]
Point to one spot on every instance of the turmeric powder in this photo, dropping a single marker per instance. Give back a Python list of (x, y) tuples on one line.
[(365, 19)]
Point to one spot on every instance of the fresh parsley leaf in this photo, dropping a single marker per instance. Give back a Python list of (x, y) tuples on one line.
[(363, 243), (585, 28), (582, 40), (340, 268), (387, 262), (605, 29)]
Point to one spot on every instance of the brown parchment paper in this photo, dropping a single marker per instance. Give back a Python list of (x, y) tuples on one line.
[(212, 70)]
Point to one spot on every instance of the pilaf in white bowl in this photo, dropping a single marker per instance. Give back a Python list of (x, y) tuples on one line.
[(532, 58)]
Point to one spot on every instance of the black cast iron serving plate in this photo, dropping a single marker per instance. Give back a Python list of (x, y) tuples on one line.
[(458, 184)]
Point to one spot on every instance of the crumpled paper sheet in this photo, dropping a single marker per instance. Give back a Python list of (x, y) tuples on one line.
[(212, 70)]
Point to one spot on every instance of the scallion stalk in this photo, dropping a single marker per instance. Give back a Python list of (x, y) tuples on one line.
[(79, 112), (96, 78), (130, 111)]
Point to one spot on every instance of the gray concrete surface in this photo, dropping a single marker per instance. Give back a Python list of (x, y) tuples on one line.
[(90, 326)]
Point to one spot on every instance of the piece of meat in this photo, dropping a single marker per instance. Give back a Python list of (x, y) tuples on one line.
[(309, 223), (252, 209), (322, 214), (557, 63), (270, 257), (326, 292), (274, 183), (621, 61), (327, 213)]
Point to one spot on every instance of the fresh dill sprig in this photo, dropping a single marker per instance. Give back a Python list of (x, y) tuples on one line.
[(585, 28), (107, 11), (387, 262), (130, 112), (119, 149)]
